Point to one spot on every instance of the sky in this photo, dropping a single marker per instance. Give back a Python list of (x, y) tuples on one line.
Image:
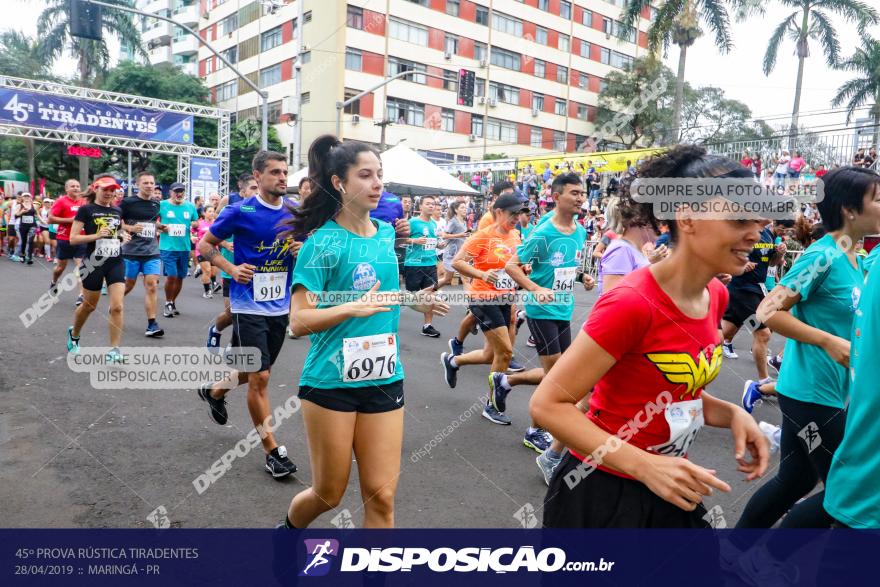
[(738, 73)]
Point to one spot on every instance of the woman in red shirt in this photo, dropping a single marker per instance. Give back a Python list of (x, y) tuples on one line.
[(648, 350)]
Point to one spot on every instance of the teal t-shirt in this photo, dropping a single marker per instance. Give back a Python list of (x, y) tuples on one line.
[(422, 255), (808, 374), (336, 260), (851, 494), (549, 215), (871, 259), (555, 258), (525, 231), (179, 217)]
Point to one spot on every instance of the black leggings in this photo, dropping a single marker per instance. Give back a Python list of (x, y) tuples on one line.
[(801, 467), (26, 234)]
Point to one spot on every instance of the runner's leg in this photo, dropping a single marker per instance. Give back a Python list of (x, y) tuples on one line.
[(378, 440), (117, 294)]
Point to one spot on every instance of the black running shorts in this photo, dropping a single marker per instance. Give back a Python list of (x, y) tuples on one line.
[(743, 304), (267, 333), (372, 399), (419, 278), (551, 336), (491, 316), (94, 276)]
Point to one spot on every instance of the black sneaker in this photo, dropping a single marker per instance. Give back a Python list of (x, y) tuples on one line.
[(451, 373), (216, 287), (168, 312), (80, 299), (277, 463), (174, 309), (218, 406), (494, 416), (429, 330), (53, 289), (497, 392)]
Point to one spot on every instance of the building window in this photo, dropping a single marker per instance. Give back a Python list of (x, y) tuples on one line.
[(425, 3), (582, 111), (506, 59), (558, 140), (355, 17), (275, 112), (504, 93), (453, 7), (588, 18), (536, 138), (451, 44), (501, 130), (305, 98), (564, 43), (447, 120), (562, 74), (227, 91), (506, 24), (538, 102), (585, 49), (565, 9), (270, 39), (583, 80), (407, 31), (541, 36), (450, 80), (602, 85), (540, 68), (620, 60), (397, 66), (479, 87), (480, 51), (295, 29), (209, 65), (482, 16), (615, 28), (228, 24), (477, 125), (405, 112), (231, 56), (544, 5), (354, 107), (270, 76), (560, 107), (605, 56), (354, 59)]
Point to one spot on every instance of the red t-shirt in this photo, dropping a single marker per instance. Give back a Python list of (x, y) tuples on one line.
[(664, 358), (821, 173), (65, 207)]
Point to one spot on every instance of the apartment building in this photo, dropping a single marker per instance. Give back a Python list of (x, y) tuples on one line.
[(164, 42), (539, 66)]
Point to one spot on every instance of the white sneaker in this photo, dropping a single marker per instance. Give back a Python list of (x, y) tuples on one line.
[(727, 350), (773, 434)]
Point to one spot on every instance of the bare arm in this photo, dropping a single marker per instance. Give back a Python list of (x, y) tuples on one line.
[(209, 253), (80, 239), (306, 318)]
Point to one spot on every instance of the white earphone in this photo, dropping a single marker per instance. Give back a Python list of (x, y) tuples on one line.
[(341, 189)]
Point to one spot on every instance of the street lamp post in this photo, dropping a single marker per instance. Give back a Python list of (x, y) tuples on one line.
[(264, 96)]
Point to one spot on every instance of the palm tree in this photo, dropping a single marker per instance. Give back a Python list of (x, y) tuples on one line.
[(93, 57), (812, 21), (678, 22), (865, 63)]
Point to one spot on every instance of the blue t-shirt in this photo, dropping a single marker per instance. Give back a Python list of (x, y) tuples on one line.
[(255, 225), (422, 255), (763, 252), (663, 239), (336, 260), (555, 257), (851, 494), (389, 210), (829, 287), (179, 219)]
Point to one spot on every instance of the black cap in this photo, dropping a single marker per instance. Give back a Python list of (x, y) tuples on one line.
[(177, 186), (509, 203)]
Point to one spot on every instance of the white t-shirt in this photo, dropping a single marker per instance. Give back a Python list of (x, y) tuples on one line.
[(782, 166)]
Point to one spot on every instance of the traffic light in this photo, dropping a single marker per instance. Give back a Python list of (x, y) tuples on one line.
[(466, 87), (85, 20)]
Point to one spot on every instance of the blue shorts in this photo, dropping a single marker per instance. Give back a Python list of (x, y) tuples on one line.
[(174, 263), (146, 265)]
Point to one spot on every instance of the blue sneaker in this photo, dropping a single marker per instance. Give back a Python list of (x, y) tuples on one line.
[(497, 393), (213, 343), (455, 347), (494, 416), (72, 343), (114, 356), (775, 361), (514, 367), (538, 441), (546, 464), (154, 331), (449, 372), (751, 395)]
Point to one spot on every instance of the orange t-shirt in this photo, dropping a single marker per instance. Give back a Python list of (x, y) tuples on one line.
[(486, 220), (492, 250)]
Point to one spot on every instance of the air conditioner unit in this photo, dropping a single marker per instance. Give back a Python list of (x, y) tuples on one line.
[(288, 105), (493, 102), (607, 35), (483, 63), (535, 112), (447, 55), (355, 119), (482, 99), (472, 138), (205, 15)]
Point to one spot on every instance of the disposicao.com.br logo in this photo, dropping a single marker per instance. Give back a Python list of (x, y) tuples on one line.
[(441, 560)]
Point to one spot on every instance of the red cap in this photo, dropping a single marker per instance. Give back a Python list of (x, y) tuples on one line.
[(106, 182)]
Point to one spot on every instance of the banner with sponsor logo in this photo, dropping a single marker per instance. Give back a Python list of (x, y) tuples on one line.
[(204, 177), (47, 111)]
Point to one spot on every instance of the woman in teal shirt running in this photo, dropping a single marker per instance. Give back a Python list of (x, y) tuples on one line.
[(813, 307), (346, 298)]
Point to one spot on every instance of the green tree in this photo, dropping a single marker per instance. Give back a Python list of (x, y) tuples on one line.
[(244, 142), (634, 106), (865, 63), (678, 22), (708, 116), (811, 21)]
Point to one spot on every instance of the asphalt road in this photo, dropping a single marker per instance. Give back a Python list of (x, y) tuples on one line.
[(75, 456)]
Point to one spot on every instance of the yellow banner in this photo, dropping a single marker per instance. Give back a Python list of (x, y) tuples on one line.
[(605, 162)]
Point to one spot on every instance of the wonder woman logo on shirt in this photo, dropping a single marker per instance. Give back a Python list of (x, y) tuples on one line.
[(681, 369)]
